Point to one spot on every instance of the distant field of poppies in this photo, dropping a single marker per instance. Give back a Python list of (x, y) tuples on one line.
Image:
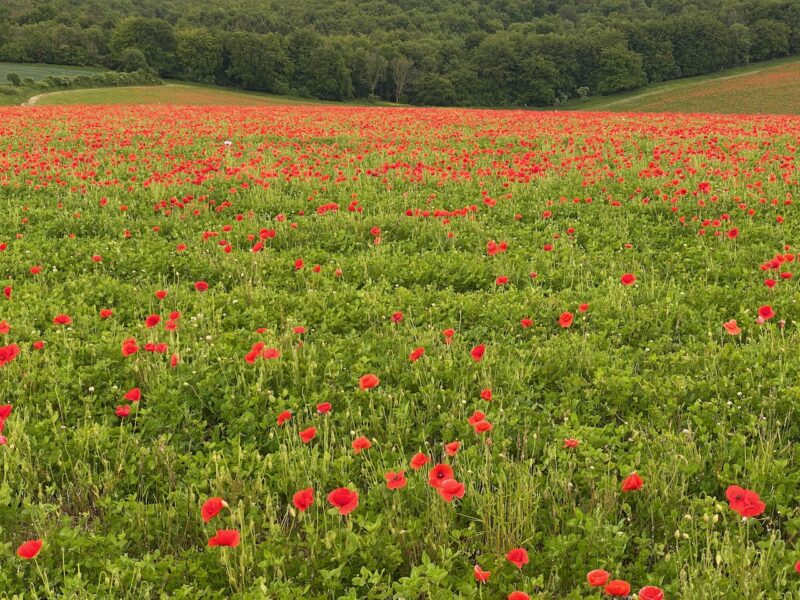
[(339, 353)]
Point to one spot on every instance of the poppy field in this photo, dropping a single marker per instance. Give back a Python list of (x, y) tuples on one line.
[(336, 352)]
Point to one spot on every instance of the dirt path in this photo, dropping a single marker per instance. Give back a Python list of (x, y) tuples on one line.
[(32, 100)]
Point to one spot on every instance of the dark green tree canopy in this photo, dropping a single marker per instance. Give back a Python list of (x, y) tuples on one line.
[(460, 52)]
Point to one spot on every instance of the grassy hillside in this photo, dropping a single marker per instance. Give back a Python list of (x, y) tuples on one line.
[(768, 88), (185, 94), (38, 72)]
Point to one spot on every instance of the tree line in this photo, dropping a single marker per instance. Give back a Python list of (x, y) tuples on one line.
[(432, 52)]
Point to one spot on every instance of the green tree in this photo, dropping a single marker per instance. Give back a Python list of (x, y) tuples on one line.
[(619, 69), (701, 44), (433, 90), (199, 53), (14, 78), (401, 68), (258, 62), (374, 70), (770, 39), (132, 59), (154, 37), (741, 42)]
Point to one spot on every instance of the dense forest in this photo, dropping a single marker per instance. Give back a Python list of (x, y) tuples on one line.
[(436, 52)]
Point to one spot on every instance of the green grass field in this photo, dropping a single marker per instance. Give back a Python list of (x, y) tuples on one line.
[(37, 72), (185, 94)]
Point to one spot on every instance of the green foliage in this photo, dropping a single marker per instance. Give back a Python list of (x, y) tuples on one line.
[(258, 62), (132, 59), (14, 78), (199, 52), (520, 53), (770, 39), (155, 39), (619, 69)]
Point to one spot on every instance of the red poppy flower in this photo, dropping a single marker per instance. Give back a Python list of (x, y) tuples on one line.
[(438, 474), (29, 549), (517, 595), (255, 351), (4, 327), (284, 416), (133, 395), (418, 461), (583, 308), (38, 344), (123, 411), (299, 330), (571, 443), (271, 353), (105, 313), (35, 270), (324, 408), (308, 434), (518, 557), (632, 483), (486, 394), (361, 443), (797, 567), (345, 499), (476, 417), (651, 592), (732, 327), (745, 502), (211, 508), (628, 279), (397, 317), (452, 448), (733, 233), (7, 291), (477, 352), (395, 480), (501, 280), (161, 294), (152, 321), (765, 313), (449, 489), (173, 361), (481, 576), (598, 577), (368, 381), (129, 347), (8, 353), (482, 426), (225, 537), (200, 286), (303, 499), (416, 354), (5, 411), (526, 323), (448, 335), (62, 320), (618, 587), (565, 320)]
